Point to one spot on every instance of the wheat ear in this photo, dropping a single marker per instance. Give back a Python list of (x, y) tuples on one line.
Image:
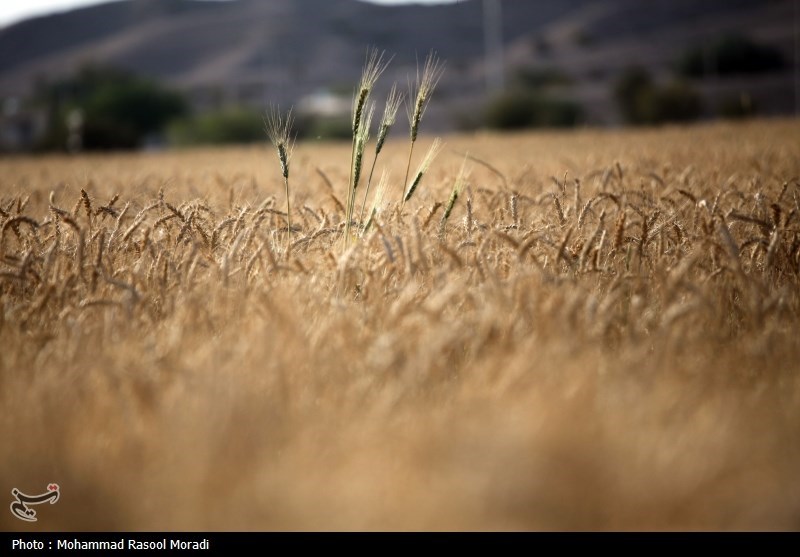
[(431, 73), (374, 66), (393, 102), (279, 129), (361, 143), (461, 180), (434, 149)]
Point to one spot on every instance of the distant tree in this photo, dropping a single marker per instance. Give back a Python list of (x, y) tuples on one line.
[(119, 110), (539, 78), (631, 90), (677, 101), (541, 46), (730, 54), (641, 101)]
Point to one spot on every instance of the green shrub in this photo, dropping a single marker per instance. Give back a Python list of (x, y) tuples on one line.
[(641, 101), (739, 106), (526, 109), (232, 125), (325, 127)]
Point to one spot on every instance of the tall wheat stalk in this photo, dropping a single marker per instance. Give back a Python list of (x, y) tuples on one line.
[(431, 73), (279, 130), (358, 161), (373, 68), (393, 102)]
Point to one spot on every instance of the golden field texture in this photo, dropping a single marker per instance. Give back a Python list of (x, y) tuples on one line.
[(603, 335)]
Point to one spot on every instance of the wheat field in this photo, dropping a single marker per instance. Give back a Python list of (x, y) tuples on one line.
[(603, 335)]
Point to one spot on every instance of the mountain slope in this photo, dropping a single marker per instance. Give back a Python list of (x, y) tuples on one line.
[(253, 50)]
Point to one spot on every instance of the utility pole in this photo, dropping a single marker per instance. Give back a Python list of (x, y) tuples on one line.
[(493, 43), (797, 58)]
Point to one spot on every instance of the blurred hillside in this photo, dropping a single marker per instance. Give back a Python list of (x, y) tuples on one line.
[(253, 52)]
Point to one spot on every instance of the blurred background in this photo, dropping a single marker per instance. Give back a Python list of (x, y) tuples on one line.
[(134, 74)]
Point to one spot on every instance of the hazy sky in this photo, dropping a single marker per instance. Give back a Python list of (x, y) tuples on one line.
[(15, 10)]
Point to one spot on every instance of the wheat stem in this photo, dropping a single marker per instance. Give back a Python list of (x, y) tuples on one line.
[(423, 168)]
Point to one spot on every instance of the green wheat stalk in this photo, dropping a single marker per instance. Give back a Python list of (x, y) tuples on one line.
[(431, 73), (434, 149), (361, 143), (374, 66), (393, 102)]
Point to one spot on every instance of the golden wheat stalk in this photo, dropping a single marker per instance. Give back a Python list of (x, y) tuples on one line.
[(458, 186), (377, 200), (279, 130)]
